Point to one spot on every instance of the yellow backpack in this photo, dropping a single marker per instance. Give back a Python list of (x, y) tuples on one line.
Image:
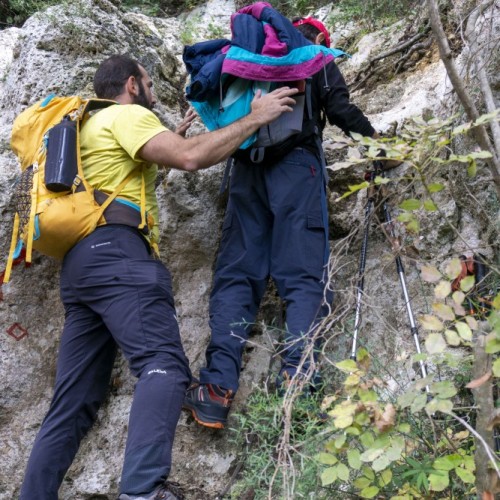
[(53, 222)]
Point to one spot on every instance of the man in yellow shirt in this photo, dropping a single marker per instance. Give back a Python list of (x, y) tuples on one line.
[(116, 294)]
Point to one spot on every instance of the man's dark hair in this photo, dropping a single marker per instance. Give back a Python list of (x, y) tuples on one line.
[(112, 75), (308, 30)]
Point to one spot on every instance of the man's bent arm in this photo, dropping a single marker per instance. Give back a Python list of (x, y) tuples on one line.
[(208, 149)]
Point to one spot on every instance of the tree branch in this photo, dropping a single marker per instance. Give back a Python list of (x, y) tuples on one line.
[(480, 134), (480, 66)]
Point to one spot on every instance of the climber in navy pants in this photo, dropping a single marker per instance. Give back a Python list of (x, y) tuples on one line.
[(115, 293), (271, 229)]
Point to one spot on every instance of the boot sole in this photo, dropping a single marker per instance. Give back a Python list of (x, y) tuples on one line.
[(211, 425), (205, 423)]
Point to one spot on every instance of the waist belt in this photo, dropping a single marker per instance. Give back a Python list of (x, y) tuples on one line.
[(119, 212)]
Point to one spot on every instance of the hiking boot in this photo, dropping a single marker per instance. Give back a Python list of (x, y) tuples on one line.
[(163, 492), (209, 404)]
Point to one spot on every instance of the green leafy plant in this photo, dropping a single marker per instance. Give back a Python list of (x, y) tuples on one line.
[(257, 433), (376, 448), (425, 146), (372, 15), (15, 12)]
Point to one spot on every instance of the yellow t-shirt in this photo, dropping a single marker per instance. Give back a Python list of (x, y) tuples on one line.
[(109, 142)]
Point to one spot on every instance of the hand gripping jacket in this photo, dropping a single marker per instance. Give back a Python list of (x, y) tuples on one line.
[(265, 51), (53, 222)]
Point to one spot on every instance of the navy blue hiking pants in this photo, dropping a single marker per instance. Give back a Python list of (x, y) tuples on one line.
[(275, 226), (114, 294)]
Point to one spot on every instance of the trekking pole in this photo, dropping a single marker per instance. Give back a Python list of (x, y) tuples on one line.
[(402, 279), (362, 263)]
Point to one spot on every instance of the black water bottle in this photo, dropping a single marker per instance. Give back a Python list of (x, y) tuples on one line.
[(61, 164)]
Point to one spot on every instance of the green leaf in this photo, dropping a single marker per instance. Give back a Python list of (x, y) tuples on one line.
[(431, 323), (419, 402), (354, 458), (458, 297), (480, 154), (442, 289), (452, 338), (345, 408), (439, 481), (352, 431), (444, 389), (492, 346), (461, 128), (381, 463), (404, 428), (435, 188), (329, 476), (472, 168), (347, 366), (413, 226), (420, 357), (362, 419), (464, 330), (352, 379), (410, 204), (465, 475), (385, 477), (369, 492), (368, 472), (371, 454), (367, 439), (326, 458), (343, 421), (448, 462), (467, 283), (339, 442), (435, 343), (454, 268), (366, 395), (343, 472), (443, 311), (381, 180), (424, 382), (496, 302), (472, 322), (407, 398), (442, 405), (496, 367), (361, 482), (394, 452), (486, 118), (430, 206), (382, 441), (405, 217), (354, 188)]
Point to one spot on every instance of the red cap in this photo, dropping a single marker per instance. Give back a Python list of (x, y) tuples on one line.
[(317, 24)]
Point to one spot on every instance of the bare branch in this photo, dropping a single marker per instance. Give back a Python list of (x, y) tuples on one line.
[(480, 133)]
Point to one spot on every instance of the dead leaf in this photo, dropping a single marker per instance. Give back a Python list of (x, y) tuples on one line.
[(386, 420), (430, 274), (478, 382)]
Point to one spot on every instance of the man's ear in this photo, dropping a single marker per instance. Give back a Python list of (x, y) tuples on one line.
[(320, 38), (131, 86)]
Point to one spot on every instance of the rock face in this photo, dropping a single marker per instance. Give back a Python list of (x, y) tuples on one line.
[(58, 51)]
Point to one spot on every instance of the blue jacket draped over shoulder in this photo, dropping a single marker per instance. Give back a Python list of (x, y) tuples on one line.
[(265, 49)]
